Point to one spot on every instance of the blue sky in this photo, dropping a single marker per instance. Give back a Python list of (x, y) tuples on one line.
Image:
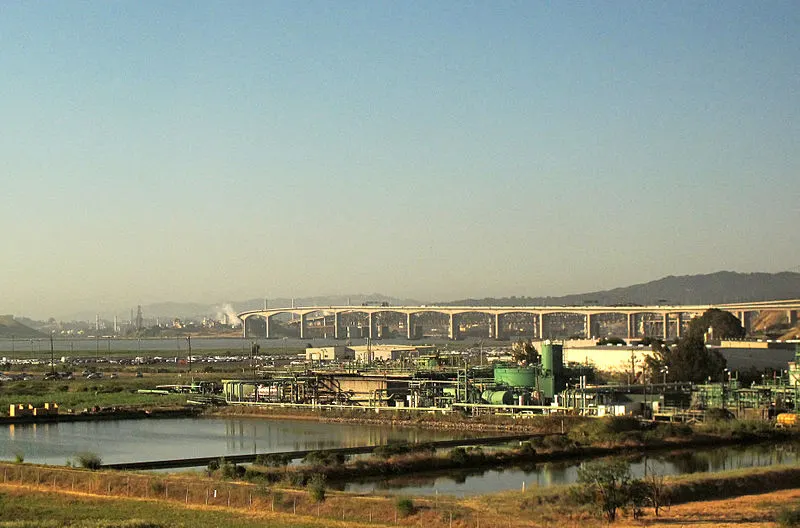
[(215, 151)]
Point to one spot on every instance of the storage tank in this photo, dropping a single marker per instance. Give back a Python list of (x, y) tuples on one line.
[(515, 376), (498, 397), (552, 358)]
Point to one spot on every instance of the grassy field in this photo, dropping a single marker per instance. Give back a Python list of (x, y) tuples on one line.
[(32, 504), (83, 393)]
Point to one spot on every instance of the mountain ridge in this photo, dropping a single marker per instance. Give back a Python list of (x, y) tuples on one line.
[(712, 288)]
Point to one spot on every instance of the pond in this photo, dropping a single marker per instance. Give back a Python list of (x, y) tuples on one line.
[(474, 482)]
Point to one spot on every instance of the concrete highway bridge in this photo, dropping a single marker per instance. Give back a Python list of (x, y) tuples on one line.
[(372, 321)]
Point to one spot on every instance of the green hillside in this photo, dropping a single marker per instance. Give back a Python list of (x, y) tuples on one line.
[(11, 327)]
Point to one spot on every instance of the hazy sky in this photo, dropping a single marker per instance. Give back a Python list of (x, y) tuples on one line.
[(213, 151)]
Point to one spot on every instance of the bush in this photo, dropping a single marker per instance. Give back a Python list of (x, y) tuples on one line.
[(789, 516), (157, 486), (608, 484), (324, 458), (19, 457), (231, 471), (89, 461), (611, 429), (527, 449), (405, 507), (273, 460), (316, 488), (391, 449), (458, 455)]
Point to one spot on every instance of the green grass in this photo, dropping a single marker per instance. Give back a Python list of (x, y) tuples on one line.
[(52, 509), (82, 393)]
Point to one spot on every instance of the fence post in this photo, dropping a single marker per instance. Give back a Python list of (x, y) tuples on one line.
[(229, 497), (250, 500), (166, 490), (273, 503), (187, 494), (294, 505), (206, 495)]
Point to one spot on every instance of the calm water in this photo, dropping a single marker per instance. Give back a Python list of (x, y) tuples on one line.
[(160, 439), (679, 462)]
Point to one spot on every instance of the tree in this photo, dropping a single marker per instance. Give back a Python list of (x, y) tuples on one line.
[(524, 352), (607, 483), (688, 360), (724, 325)]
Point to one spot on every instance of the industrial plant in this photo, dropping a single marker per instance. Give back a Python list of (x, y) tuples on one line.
[(533, 381)]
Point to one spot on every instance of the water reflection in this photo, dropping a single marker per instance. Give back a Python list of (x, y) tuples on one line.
[(140, 440), (471, 482)]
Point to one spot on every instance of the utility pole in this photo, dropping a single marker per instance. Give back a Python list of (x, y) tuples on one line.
[(52, 356), (189, 340)]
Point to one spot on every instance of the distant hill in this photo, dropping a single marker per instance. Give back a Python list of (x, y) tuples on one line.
[(11, 327), (713, 288)]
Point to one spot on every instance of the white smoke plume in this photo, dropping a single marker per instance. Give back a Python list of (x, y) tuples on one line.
[(227, 315)]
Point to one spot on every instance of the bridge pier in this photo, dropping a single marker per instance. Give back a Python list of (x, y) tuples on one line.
[(371, 322), (409, 328), (631, 324), (666, 326), (337, 325), (588, 328), (496, 329), (540, 326), (453, 329), (266, 326), (791, 315), (678, 325), (303, 319)]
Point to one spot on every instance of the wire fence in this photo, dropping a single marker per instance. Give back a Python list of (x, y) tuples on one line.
[(435, 511)]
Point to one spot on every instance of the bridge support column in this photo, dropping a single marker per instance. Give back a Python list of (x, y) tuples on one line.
[(744, 318), (337, 325), (666, 326), (588, 326), (371, 320), (453, 330), (409, 328), (497, 328), (244, 327), (303, 318), (678, 325), (792, 316), (631, 329), (266, 326), (540, 326)]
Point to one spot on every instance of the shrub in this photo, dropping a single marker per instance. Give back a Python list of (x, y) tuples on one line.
[(89, 461), (157, 487), (391, 449), (324, 458), (231, 471), (458, 455), (405, 507), (19, 457), (273, 460), (789, 516), (527, 449), (316, 488), (608, 485)]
